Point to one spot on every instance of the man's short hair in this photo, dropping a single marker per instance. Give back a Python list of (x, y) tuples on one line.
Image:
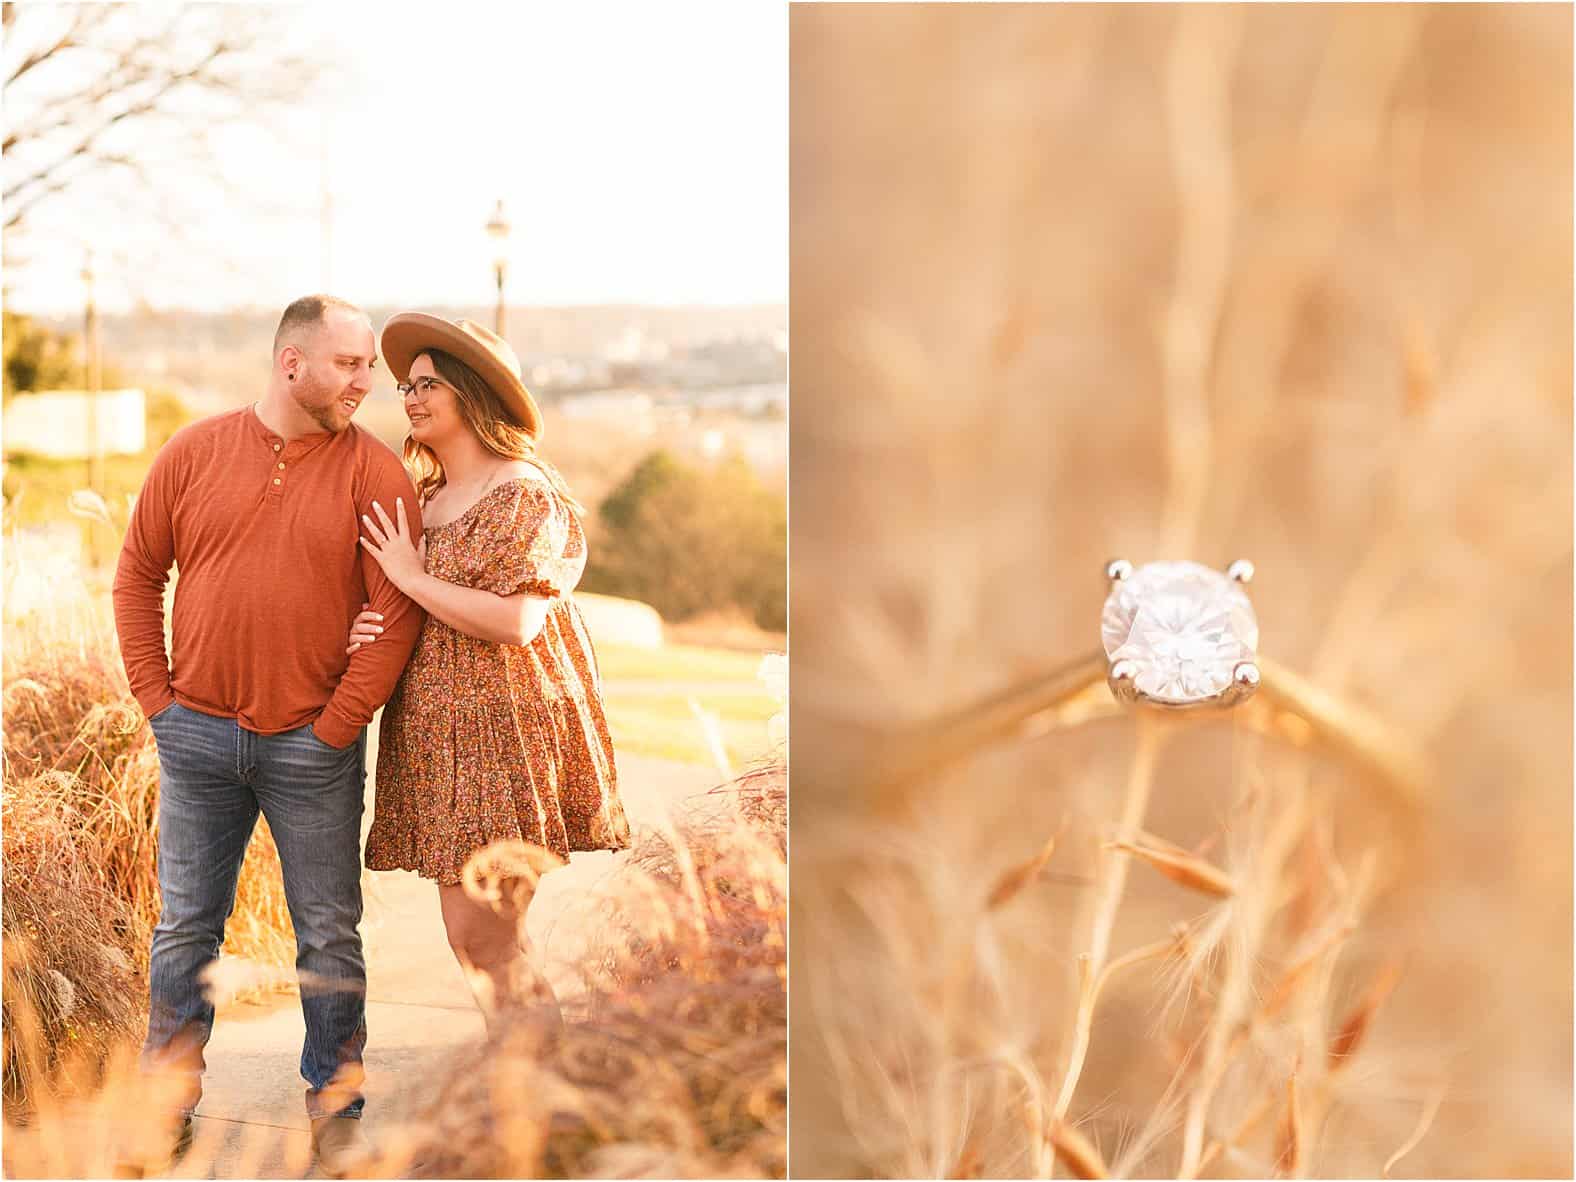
[(307, 313)]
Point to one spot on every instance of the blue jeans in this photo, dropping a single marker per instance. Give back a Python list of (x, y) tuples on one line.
[(214, 778)]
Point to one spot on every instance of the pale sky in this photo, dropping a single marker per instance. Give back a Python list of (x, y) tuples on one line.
[(640, 151)]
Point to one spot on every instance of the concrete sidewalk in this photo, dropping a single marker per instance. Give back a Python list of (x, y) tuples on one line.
[(252, 1121)]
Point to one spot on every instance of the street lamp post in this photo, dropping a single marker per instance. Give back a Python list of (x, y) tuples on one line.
[(498, 228), (94, 380)]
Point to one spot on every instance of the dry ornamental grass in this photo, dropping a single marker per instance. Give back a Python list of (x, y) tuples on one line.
[(81, 889), (674, 1065)]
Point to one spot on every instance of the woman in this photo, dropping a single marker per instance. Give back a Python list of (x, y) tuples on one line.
[(496, 730)]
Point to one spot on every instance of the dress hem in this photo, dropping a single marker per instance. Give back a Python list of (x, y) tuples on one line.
[(385, 864)]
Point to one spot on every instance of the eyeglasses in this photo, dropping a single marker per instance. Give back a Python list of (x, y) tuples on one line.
[(421, 388)]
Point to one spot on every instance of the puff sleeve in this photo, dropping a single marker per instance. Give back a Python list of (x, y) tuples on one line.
[(536, 545)]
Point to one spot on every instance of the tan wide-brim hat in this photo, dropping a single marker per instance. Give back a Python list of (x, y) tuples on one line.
[(409, 334)]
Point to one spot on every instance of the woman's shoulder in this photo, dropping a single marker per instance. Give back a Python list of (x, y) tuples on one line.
[(513, 470), (527, 483), (520, 491)]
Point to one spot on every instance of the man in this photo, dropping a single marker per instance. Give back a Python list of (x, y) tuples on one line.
[(258, 707)]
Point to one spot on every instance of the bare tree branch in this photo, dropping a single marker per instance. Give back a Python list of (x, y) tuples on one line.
[(81, 19), (87, 126), (85, 145), (130, 69)]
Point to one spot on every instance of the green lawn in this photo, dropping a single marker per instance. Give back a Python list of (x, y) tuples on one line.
[(37, 492), (640, 731), (677, 662), (648, 721)]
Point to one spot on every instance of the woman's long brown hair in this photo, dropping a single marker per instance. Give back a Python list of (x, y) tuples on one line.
[(484, 413)]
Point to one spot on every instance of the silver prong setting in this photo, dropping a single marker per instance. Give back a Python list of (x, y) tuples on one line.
[(1240, 571), (1121, 678), (1118, 570), (1245, 680)]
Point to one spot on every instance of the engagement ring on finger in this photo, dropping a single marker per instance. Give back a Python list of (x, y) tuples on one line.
[(1175, 637)]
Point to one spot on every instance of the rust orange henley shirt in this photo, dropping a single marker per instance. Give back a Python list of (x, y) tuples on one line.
[(263, 532)]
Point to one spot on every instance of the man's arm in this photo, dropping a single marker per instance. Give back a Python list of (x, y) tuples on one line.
[(375, 669), (146, 555)]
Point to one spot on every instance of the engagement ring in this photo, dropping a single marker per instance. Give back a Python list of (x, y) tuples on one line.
[(1176, 637)]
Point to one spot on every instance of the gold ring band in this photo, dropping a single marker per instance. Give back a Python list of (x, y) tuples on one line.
[(1285, 706)]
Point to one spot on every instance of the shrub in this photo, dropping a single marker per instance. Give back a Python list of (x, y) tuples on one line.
[(690, 539), (37, 358)]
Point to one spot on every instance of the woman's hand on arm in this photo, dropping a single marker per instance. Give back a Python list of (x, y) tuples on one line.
[(501, 619), (402, 558), (365, 628)]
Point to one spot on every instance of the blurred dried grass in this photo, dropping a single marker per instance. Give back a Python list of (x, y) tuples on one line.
[(676, 1064), (81, 890), (1284, 282)]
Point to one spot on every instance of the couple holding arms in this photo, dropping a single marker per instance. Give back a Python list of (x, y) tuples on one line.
[(284, 518)]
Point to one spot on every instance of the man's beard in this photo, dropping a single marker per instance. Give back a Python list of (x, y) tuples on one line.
[(323, 416)]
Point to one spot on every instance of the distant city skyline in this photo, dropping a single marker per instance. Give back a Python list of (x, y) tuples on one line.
[(641, 155)]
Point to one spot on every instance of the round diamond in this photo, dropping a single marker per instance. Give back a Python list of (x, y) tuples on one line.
[(1185, 627)]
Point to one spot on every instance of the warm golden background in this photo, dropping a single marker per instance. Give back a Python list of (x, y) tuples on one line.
[(1284, 282)]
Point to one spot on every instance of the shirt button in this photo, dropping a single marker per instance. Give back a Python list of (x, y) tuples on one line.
[(276, 447), (281, 463), (276, 480)]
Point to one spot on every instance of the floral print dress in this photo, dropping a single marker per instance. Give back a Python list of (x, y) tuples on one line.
[(482, 742)]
